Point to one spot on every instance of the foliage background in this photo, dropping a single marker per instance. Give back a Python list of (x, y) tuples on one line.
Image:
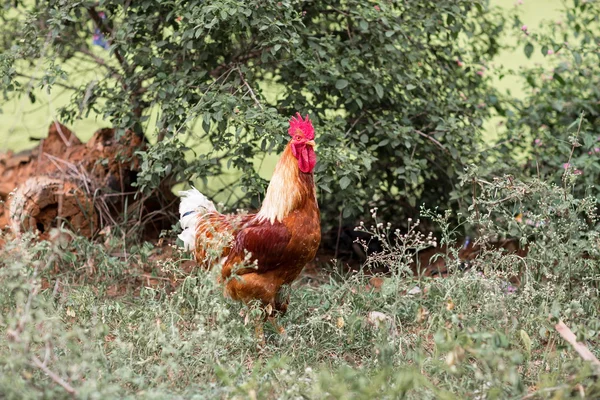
[(399, 99)]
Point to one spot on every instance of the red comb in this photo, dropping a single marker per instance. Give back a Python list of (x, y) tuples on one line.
[(304, 125)]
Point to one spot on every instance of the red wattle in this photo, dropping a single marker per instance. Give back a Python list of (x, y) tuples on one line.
[(307, 159)]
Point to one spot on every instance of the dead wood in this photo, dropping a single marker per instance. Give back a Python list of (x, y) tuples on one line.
[(579, 347), (42, 202), (85, 185)]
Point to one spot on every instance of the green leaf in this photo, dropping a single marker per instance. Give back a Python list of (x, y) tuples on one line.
[(347, 212), (528, 50), (379, 90), (558, 105), (341, 83), (559, 78), (344, 182), (325, 187), (526, 340), (410, 86)]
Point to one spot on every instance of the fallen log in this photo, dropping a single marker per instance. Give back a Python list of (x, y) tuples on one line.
[(40, 202), (85, 185)]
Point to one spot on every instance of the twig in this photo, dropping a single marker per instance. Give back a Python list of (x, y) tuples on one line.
[(246, 56), (100, 61), (249, 89), (579, 347), (192, 114), (35, 78), (66, 141), (503, 142), (354, 124), (339, 234), (544, 390), (434, 140), (86, 97), (38, 363), (564, 177), (108, 34), (372, 126), (474, 185)]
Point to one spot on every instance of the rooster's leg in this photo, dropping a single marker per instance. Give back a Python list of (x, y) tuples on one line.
[(278, 328), (282, 299), (271, 316)]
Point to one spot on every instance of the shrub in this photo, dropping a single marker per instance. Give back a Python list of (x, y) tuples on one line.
[(397, 90), (557, 125)]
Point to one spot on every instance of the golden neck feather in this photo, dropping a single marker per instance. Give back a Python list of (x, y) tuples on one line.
[(285, 190)]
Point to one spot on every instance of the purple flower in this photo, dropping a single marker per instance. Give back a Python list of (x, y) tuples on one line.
[(98, 37), (510, 289)]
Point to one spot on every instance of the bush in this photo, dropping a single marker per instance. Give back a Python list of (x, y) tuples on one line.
[(557, 125), (395, 89)]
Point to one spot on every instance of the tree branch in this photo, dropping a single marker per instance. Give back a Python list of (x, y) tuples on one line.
[(237, 60), (134, 89), (249, 89), (100, 61), (434, 140), (38, 363), (579, 347), (108, 34), (33, 78)]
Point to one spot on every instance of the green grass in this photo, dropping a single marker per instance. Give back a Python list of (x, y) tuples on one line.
[(122, 321), (193, 342)]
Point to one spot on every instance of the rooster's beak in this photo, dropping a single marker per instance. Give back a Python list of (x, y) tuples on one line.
[(310, 143)]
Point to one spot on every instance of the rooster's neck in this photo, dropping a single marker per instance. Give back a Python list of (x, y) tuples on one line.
[(288, 190)]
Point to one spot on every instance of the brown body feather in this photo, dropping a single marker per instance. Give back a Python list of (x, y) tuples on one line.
[(281, 239)]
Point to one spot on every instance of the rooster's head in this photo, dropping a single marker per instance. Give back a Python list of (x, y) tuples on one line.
[(302, 144)]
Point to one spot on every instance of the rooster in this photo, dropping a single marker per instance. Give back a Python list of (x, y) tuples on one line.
[(261, 253)]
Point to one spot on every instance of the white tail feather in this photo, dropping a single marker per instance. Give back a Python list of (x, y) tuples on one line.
[(193, 205)]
